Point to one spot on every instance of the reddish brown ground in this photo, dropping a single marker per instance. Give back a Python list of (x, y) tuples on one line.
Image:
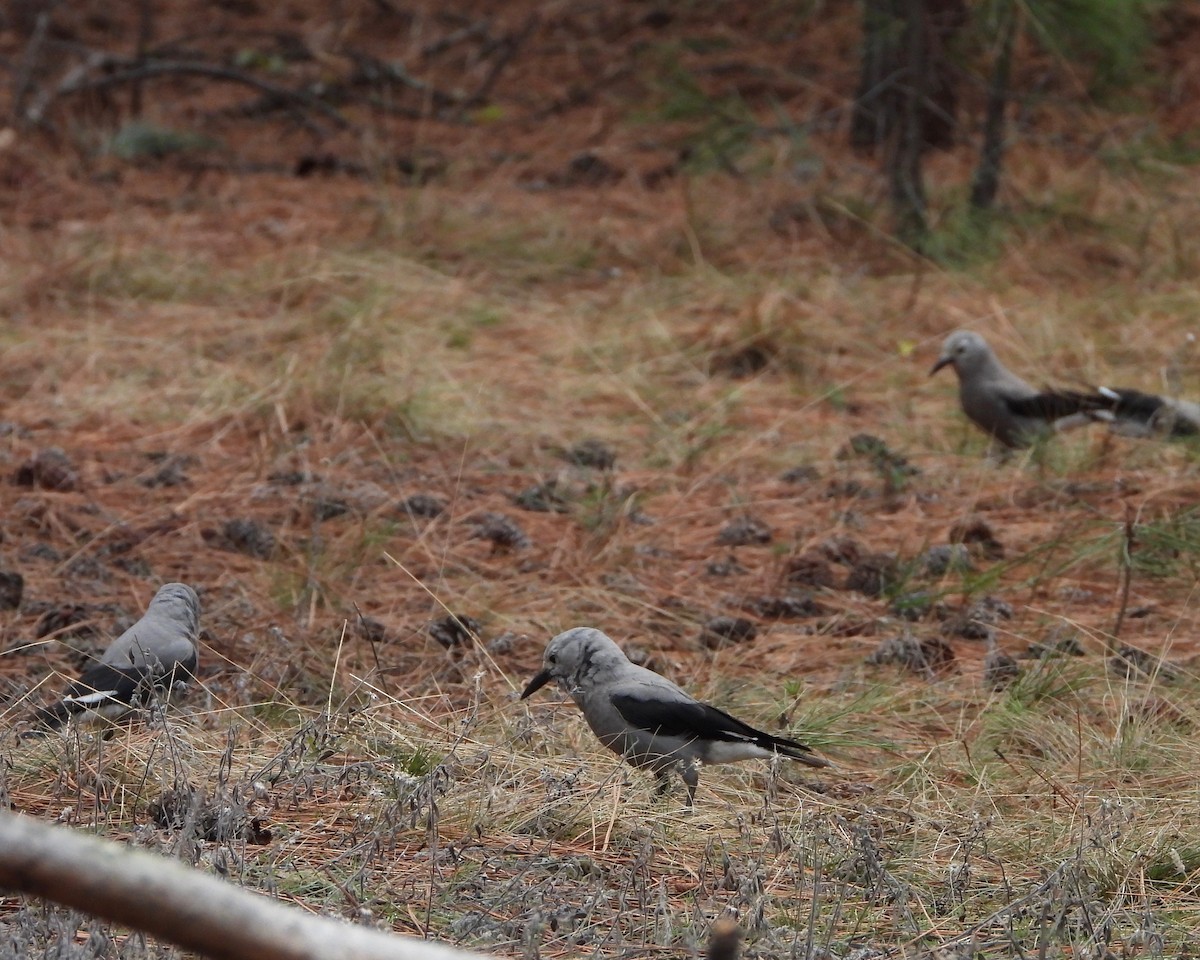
[(575, 83)]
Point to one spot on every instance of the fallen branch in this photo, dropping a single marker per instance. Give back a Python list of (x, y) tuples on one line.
[(507, 49), (123, 70), (184, 906)]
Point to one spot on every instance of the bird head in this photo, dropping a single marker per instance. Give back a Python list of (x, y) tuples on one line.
[(571, 657), (964, 350), (179, 602)]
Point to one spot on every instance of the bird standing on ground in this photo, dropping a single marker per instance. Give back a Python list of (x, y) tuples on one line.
[(1003, 405), (1012, 412), (153, 655), (646, 718)]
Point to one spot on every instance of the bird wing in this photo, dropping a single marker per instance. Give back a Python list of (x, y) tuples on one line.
[(680, 717), (1051, 405), (104, 685)]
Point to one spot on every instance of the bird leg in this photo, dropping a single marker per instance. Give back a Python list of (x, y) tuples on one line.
[(691, 776)]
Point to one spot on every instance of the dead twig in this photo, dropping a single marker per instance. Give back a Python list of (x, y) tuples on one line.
[(508, 47), (373, 71), (481, 29), (123, 70), (1128, 541)]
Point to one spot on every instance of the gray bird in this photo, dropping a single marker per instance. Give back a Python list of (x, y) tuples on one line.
[(155, 654), (1011, 411), (646, 718), (1003, 405)]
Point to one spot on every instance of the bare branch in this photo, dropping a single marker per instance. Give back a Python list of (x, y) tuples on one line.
[(124, 70), (509, 46), (181, 905)]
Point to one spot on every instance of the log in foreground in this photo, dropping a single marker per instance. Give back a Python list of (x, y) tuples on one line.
[(184, 906)]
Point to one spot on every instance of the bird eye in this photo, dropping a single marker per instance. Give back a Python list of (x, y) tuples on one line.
[(553, 658)]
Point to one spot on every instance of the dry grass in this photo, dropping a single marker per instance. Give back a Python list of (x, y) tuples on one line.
[(347, 347)]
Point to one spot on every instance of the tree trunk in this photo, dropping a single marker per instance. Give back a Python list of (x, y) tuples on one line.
[(874, 104), (907, 186), (991, 154)]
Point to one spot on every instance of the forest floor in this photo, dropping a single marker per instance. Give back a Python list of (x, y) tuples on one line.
[(615, 360)]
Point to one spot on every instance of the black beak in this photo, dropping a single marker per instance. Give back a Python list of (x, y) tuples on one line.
[(942, 362), (537, 683)]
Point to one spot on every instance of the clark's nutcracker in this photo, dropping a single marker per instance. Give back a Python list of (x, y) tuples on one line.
[(646, 718), (1007, 408), (157, 652), (1003, 405)]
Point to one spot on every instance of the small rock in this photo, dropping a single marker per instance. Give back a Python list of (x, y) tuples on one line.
[(12, 588), (48, 469), (215, 819), (1060, 641), (999, 669), (744, 532), (917, 605), (41, 551), (57, 620), (455, 630), (724, 568), (975, 532), (846, 489), (1130, 663), (843, 550), (84, 566), (245, 536), (723, 631), (743, 360), (503, 643), (327, 507), (502, 531), (976, 622), (928, 655), (992, 609), (422, 505), (589, 169), (591, 453), (873, 574), (882, 458), (968, 628), (945, 558), (172, 471), (802, 474), (293, 478), (810, 569), (785, 608), (543, 498), (371, 630)]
